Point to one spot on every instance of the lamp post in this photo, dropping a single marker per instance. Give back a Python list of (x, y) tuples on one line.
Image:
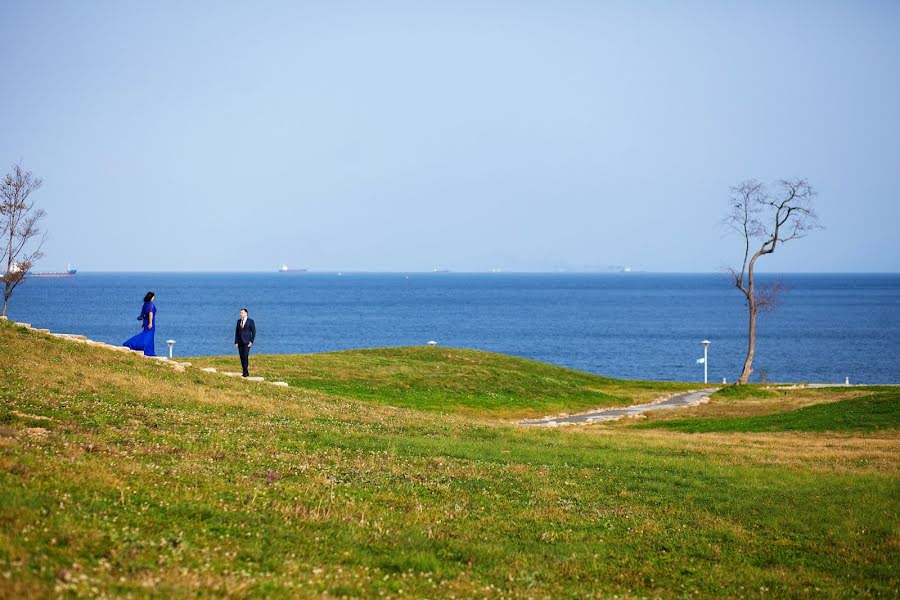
[(706, 344), (170, 343)]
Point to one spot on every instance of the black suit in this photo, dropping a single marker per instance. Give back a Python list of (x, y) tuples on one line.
[(243, 337)]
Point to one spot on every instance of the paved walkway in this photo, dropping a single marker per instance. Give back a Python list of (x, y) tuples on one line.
[(611, 414)]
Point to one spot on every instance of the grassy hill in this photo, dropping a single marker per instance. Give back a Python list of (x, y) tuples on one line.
[(120, 476), (450, 380)]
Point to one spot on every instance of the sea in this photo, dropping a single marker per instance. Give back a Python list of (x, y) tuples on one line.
[(826, 328)]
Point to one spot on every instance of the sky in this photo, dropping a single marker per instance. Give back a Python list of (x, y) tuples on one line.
[(408, 136)]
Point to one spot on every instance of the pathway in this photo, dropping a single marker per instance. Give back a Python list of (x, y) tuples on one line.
[(611, 414)]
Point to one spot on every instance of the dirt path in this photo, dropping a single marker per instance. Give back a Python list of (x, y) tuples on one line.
[(611, 414)]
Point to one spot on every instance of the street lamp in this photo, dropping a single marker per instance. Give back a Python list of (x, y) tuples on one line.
[(170, 343), (706, 344)]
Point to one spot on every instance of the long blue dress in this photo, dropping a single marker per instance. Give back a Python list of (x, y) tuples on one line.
[(144, 340)]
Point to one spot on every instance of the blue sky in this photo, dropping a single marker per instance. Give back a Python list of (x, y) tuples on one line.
[(530, 136)]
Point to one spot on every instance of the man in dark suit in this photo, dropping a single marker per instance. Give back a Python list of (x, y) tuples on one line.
[(244, 334)]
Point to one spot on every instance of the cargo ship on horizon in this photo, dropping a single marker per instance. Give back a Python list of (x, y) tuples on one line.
[(285, 269), (69, 272)]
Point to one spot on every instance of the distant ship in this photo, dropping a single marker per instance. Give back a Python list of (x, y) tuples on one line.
[(285, 269), (620, 269), (69, 272)]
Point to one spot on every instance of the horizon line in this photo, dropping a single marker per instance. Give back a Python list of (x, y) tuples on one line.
[(467, 272)]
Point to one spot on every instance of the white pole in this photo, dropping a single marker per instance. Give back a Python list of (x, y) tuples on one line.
[(705, 364), (706, 344)]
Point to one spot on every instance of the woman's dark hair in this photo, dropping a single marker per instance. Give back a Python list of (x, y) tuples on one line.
[(149, 296)]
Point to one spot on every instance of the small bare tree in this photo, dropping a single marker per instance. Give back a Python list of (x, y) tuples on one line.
[(772, 218), (19, 228)]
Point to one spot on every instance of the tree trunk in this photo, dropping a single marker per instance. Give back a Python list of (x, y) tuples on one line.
[(751, 334), (751, 346), (9, 264)]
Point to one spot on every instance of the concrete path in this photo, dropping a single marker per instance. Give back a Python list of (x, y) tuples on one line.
[(611, 414)]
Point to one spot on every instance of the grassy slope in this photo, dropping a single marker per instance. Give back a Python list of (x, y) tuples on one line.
[(120, 476), (878, 410), (450, 380)]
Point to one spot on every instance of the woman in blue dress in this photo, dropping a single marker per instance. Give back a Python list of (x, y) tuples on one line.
[(144, 340)]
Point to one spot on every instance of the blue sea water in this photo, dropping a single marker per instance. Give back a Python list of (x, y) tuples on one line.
[(631, 325)]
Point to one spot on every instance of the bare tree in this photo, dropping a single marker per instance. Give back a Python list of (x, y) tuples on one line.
[(771, 218), (19, 228)]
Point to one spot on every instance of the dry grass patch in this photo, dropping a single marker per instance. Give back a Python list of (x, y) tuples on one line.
[(858, 453)]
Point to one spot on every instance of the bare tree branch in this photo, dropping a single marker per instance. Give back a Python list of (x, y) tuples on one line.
[(769, 295)]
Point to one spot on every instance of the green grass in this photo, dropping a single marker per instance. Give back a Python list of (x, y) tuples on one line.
[(450, 380), (744, 392), (877, 411), (121, 477)]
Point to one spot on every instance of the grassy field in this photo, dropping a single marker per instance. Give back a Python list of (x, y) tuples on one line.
[(119, 476)]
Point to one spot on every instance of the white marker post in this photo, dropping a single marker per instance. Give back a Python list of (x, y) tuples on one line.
[(706, 344), (171, 343)]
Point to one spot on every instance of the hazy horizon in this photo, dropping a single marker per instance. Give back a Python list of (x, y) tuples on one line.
[(404, 137), (454, 272)]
